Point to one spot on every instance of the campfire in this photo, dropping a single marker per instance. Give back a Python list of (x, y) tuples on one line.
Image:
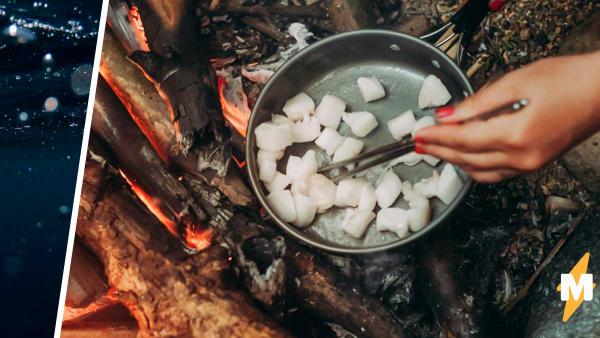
[(171, 241)]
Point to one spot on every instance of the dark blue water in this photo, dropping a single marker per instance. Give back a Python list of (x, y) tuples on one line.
[(46, 53)]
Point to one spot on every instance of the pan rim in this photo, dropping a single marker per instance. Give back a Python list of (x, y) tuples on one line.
[(296, 233)]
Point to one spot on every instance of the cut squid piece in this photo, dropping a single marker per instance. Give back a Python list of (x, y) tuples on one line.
[(433, 93), (432, 161), (329, 140), (388, 189), (449, 184), (299, 187), (309, 162), (423, 122), (349, 148), (368, 199), (306, 130), (330, 110), (279, 182), (273, 137), (419, 213), (361, 122), (283, 205), (356, 221), (299, 106), (370, 88), (410, 159), (428, 186), (265, 155), (300, 168), (306, 210), (322, 191), (280, 119), (393, 219), (408, 194), (267, 170), (348, 192), (402, 125)]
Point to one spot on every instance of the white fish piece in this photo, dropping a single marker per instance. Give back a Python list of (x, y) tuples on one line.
[(361, 122), (322, 191), (431, 160), (306, 130), (280, 119), (330, 110), (279, 182), (410, 159), (273, 137), (367, 200), (393, 219), (349, 148), (306, 210), (295, 168), (419, 214), (388, 189), (329, 140), (370, 88), (423, 122), (309, 163), (433, 93), (267, 170), (299, 106), (407, 191), (428, 186), (348, 192), (356, 221), (283, 205), (264, 155), (449, 184), (299, 187), (402, 125)]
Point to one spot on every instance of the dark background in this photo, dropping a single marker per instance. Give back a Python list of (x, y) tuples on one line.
[(39, 151)]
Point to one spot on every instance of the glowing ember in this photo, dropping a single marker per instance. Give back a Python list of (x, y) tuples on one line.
[(234, 103), (138, 31), (198, 239)]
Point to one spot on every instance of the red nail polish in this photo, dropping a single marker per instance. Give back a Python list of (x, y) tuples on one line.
[(444, 111), (418, 139), (419, 148), (496, 5)]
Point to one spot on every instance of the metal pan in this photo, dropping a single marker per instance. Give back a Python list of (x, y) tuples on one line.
[(332, 65)]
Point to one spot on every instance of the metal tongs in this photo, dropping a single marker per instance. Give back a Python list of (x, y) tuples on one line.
[(406, 144)]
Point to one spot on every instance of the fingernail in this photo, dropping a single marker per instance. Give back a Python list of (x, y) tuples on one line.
[(419, 148), (444, 111), (496, 5), (418, 139)]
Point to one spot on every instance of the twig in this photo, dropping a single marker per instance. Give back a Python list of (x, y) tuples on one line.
[(525, 289), (310, 10), (266, 27)]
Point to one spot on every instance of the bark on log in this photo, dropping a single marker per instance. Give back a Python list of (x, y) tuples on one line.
[(349, 15), (263, 11), (169, 293), (169, 200), (453, 303), (149, 112)]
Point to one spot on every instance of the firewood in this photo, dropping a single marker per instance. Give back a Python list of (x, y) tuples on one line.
[(149, 112), (313, 10), (454, 304), (87, 282), (349, 15), (266, 27), (168, 292), (143, 169)]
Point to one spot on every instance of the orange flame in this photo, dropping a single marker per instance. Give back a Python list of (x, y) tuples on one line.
[(138, 28), (236, 116)]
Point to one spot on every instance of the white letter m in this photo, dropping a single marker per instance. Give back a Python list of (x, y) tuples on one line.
[(570, 287)]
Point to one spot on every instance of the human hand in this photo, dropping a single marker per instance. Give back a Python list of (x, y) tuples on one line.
[(563, 110)]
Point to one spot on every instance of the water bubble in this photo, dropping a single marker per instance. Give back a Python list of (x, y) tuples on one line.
[(23, 116), (13, 265), (81, 78), (50, 104)]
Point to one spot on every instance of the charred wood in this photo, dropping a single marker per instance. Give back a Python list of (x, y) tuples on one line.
[(143, 169), (149, 112), (313, 10), (265, 26), (349, 15), (168, 292)]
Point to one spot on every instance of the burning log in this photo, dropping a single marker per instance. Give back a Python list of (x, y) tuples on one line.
[(349, 15), (169, 201), (168, 292), (452, 302), (149, 112)]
